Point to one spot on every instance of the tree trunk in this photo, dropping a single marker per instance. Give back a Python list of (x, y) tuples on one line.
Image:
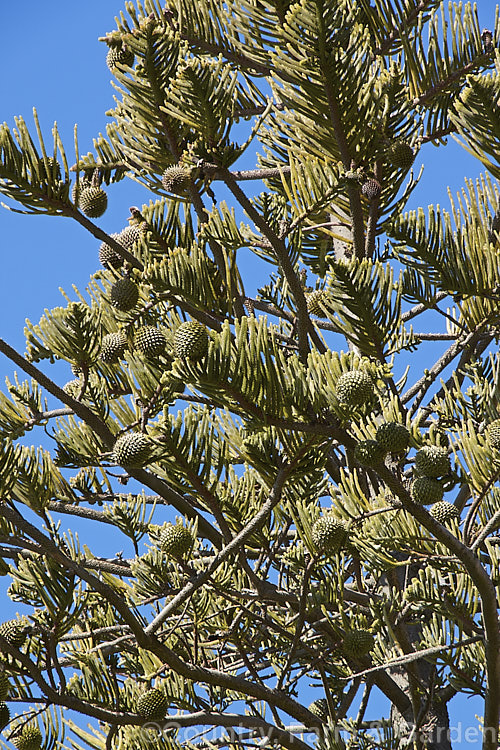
[(433, 732)]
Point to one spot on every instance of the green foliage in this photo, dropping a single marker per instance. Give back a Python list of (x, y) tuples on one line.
[(261, 462), (31, 175)]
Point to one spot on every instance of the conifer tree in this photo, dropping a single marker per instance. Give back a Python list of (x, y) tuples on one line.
[(303, 519)]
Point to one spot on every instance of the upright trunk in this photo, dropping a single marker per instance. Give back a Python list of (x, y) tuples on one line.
[(426, 725), (433, 730)]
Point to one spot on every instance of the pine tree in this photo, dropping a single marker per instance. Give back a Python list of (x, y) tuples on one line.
[(243, 441)]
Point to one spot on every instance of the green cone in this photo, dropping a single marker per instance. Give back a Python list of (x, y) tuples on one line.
[(432, 461), (93, 202), (358, 642), (354, 388), (191, 340), (393, 437), (30, 738), (425, 490), (176, 540), (132, 450), (152, 705), (328, 534), (444, 512), (150, 341)]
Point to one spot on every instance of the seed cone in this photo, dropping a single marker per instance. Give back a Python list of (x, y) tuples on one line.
[(494, 227), (371, 189), (314, 301), (93, 202), (4, 715), (319, 708), (53, 168), (14, 632), (4, 686), (176, 180), (131, 234), (152, 705), (432, 461), (444, 512), (176, 540), (113, 346), (119, 56), (369, 452), (30, 738), (124, 294), (108, 257), (425, 490), (73, 387), (358, 642), (493, 433), (77, 188), (400, 154), (150, 341), (132, 450), (354, 388), (191, 340), (328, 534), (393, 437)]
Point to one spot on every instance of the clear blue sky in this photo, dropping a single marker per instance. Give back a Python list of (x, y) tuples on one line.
[(51, 59)]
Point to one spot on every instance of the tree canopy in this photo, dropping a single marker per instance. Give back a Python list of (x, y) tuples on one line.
[(300, 485)]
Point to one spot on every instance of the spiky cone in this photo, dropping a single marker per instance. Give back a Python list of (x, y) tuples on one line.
[(426, 491), (314, 302), (113, 346), (191, 340), (4, 686), (400, 154), (119, 56), (393, 437), (93, 202), (4, 715), (29, 738), (132, 450), (432, 461), (328, 534), (152, 705), (124, 294), (354, 388), (358, 643), (176, 540), (14, 632), (176, 180), (493, 434), (319, 708), (444, 512), (369, 453), (371, 189), (149, 341), (130, 235), (108, 257)]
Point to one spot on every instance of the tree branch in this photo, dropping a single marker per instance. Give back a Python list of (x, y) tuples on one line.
[(227, 551)]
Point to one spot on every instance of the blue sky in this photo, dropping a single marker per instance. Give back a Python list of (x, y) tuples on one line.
[(51, 59)]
